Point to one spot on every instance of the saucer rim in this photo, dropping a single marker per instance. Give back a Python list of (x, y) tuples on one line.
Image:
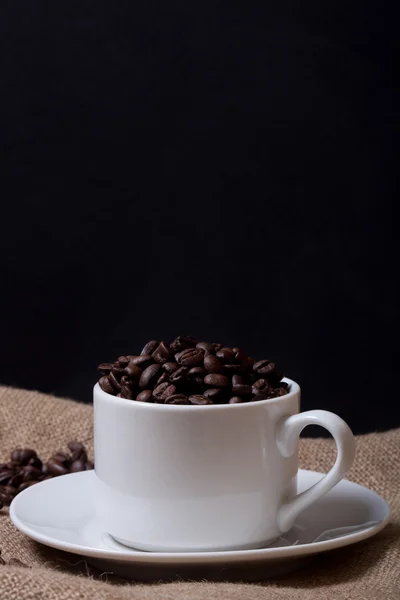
[(231, 556)]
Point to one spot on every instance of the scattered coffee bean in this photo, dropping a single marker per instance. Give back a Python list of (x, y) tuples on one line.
[(200, 400), (149, 376), (56, 468), (23, 455), (145, 396), (189, 368)]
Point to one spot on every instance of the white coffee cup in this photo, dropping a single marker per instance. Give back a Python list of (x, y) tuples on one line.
[(174, 478)]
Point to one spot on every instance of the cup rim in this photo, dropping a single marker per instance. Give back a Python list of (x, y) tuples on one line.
[(136, 404)]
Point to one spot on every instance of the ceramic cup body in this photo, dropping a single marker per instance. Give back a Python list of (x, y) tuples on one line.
[(192, 478)]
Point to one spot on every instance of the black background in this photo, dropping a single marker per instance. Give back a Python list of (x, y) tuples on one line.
[(221, 169)]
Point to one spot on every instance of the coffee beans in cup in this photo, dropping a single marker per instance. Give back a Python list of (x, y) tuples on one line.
[(192, 372)]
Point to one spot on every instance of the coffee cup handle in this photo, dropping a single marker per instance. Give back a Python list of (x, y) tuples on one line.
[(287, 435)]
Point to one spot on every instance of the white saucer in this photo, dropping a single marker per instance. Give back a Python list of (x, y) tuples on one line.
[(59, 513)]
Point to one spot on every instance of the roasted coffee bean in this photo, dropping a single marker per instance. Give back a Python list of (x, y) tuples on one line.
[(190, 357), (177, 399), (133, 370), (162, 353), (170, 367), (261, 385), (231, 368), (163, 391), (142, 361), (114, 382), (238, 380), (226, 355), (149, 348), (106, 385), (216, 380), (62, 457), (77, 451), (217, 347), (213, 394), (105, 368), (212, 364), (196, 385), (163, 378), (276, 392), (6, 497), (5, 477), (200, 400), (23, 455), (206, 346), (25, 485), (149, 376), (30, 474), (123, 361), (126, 392), (241, 358), (197, 372), (260, 396), (56, 468), (182, 342), (16, 480), (145, 396), (35, 462), (118, 370), (264, 367), (125, 380), (284, 385), (242, 390), (77, 466), (236, 400), (179, 375)]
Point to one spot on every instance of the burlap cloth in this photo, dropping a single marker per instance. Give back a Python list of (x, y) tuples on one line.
[(370, 569)]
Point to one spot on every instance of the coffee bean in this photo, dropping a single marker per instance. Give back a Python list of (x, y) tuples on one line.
[(141, 361), (77, 451), (242, 390), (260, 396), (29, 474), (177, 399), (179, 375), (231, 368), (197, 372), (162, 353), (162, 379), (170, 367), (126, 392), (114, 382), (25, 485), (133, 370), (213, 394), (149, 348), (6, 497), (16, 480), (284, 385), (35, 462), (145, 396), (236, 400), (149, 376), (206, 346), (23, 455), (106, 385), (56, 468), (123, 361), (117, 370), (217, 347), (163, 391), (5, 477), (212, 364), (241, 358), (77, 466), (264, 367), (182, 342), (197, 384), (200, 400), (105, 368), (226, 355), (261, 385), (190, 357), (216, 380), (277, 392)]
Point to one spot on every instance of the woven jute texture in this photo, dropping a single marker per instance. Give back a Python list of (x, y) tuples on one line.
[(368, 570)]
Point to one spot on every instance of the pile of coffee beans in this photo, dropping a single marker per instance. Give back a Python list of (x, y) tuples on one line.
[(189, 371), (25, 468)]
